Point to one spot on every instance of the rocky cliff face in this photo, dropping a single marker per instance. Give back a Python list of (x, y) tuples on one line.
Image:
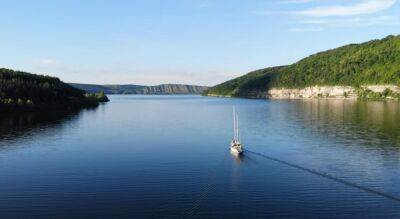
[(312, 92), (324, 92), (333, 92), (139, 89), (172, 89)]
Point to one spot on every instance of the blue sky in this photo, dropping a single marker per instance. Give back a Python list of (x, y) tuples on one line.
[(201, 42)]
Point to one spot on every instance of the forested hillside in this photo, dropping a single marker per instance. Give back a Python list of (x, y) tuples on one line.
[(373, 62), (25, 91)]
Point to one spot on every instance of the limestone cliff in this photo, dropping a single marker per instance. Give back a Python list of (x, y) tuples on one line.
[(139, 89), (368, 91)]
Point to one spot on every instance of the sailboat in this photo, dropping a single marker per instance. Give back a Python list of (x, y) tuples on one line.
[(236, 146)]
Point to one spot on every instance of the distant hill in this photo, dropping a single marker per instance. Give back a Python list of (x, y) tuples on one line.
[(376, 62), (26, 91), (139, 89)]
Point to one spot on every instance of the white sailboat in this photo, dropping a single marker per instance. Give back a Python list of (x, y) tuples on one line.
[(236, 146)]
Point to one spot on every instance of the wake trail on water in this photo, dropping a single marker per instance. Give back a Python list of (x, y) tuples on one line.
[(328, 176)]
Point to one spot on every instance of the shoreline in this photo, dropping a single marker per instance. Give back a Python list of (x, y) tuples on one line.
[(368, 92)]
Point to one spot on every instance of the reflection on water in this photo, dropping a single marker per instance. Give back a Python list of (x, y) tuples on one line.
[(238, 158), (165, 156), (241, 159), (17, 124), (28, 125), (366, 120), (359, 128), (358, 141)]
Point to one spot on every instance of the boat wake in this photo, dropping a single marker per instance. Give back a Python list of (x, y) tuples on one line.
[(328, 176)]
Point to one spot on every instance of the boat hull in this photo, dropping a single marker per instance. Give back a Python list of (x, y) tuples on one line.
[(236, 150)]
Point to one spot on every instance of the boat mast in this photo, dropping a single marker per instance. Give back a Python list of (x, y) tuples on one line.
[(234, 123), (237, 127)]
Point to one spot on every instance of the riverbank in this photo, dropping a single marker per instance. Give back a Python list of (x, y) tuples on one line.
[(376, 92), (68, 106), (365, 92)]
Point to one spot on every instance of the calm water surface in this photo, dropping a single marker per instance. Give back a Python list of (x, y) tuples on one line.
[(167, 156)]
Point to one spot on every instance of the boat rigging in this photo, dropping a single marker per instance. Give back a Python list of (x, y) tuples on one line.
[(236, 146)]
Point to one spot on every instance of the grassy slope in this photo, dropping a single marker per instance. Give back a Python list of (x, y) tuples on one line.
[(373, 62)]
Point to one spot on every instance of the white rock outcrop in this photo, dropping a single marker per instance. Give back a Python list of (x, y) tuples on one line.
[(326, 92)]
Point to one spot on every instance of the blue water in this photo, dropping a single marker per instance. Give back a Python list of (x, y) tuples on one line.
[(167, 156)]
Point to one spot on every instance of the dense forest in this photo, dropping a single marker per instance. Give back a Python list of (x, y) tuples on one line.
[(25, 91), (373, 62)]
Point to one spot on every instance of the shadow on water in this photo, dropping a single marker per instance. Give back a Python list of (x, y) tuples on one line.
[(16, 126)]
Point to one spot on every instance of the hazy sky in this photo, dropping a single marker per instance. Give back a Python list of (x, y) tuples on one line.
[(180, 41)]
